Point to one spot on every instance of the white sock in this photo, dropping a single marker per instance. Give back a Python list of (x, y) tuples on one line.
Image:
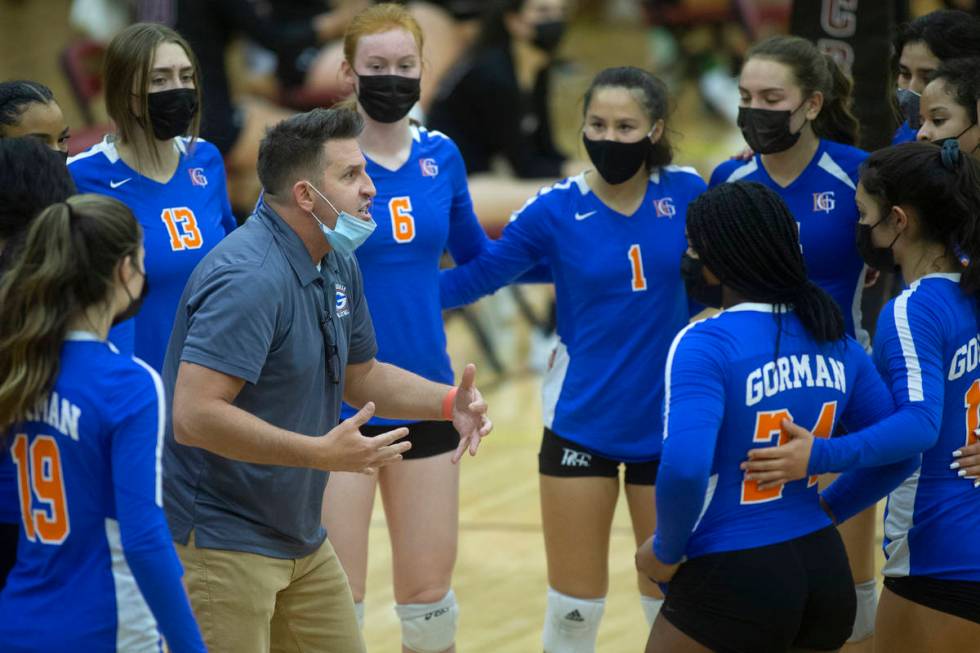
[(651, 607), (867, 608)]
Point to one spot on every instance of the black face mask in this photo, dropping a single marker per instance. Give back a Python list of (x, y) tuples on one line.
[(908, 105), (617, 162), (547, 35), (879, 258), (767, 130), (171, 112), (942, 141), (135, 303), (697, 287), (387, 98)]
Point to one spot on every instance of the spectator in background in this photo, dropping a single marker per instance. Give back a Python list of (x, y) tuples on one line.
[(32, 177), (173, 182), (29, 109), (920, 47), (494, 105), (950, 105)]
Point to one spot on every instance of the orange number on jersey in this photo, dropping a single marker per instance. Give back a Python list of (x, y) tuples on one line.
[(402, 222), (182, 228), (767, 425), (972, 401), (636, 262), (39, 475)]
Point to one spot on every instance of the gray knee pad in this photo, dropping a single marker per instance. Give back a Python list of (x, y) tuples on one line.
[(359, 613), (571, 625), (429, 627), (867, 608), (651, 608)]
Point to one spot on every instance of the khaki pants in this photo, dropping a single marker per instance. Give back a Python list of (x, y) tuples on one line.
[(249, 603)]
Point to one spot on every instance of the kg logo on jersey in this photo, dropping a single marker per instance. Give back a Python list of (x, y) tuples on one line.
[(343, 306), (665, 207), (824, 201), (429, 167), (197, 176)]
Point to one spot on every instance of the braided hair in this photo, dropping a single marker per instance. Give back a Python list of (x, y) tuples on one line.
[(16, 96), (744, 233)]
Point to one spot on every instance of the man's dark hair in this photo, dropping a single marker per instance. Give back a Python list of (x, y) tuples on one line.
[(293, 148)]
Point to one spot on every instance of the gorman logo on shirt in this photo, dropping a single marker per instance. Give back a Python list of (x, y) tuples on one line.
[(824, 201), (665, 207), (343, 306), (429, 167), (197, 176)]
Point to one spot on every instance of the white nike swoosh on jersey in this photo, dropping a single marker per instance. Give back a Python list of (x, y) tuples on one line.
[(117, 184), (583, 216)]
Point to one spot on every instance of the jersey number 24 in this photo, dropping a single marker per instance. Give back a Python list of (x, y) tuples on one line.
[(768, 423)]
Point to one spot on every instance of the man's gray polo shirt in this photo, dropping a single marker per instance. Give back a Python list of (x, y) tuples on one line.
[(257, 308)]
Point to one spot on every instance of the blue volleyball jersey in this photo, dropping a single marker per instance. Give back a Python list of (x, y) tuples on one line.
[(927, 348), (182, 221), (421, 208), (96, 569), (904, 134), (620, 301), (822, 201), (727, 391)]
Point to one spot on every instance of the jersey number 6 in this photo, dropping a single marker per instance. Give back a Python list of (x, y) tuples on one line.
[(767, 425), (402, 222), (39, 475)]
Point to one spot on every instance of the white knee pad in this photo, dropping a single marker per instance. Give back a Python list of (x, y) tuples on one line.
[(571, 625), (359, 613), (429, 627), (651, 607), (867, 607)]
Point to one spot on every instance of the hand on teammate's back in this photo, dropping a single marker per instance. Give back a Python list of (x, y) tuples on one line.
[(344, 449), (470, 415), (967, 461), (773, 466)]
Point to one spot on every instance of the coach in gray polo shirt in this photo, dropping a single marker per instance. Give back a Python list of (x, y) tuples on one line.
[(272, 332)]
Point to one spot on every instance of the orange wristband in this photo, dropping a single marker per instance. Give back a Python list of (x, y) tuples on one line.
[(447, 404)]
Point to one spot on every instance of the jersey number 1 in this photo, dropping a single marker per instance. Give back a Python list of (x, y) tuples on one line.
[(768, 424), (636, 263), (972, 402), (39, 475)]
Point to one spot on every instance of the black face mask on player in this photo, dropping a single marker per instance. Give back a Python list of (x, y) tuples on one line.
[(135, 303), (171, 112), (767, 131), (697, 287), (387, 98), (617, 162)]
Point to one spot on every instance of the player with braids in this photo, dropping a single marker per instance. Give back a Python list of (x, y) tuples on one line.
[(29, 109), (96, 569), (795, 114), (753, 568), (920, 206)]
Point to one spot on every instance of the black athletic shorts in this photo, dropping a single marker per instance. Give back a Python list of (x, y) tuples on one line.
[(960, 598), (795, 594), (9, 536), (561, 457), (428, 438)]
